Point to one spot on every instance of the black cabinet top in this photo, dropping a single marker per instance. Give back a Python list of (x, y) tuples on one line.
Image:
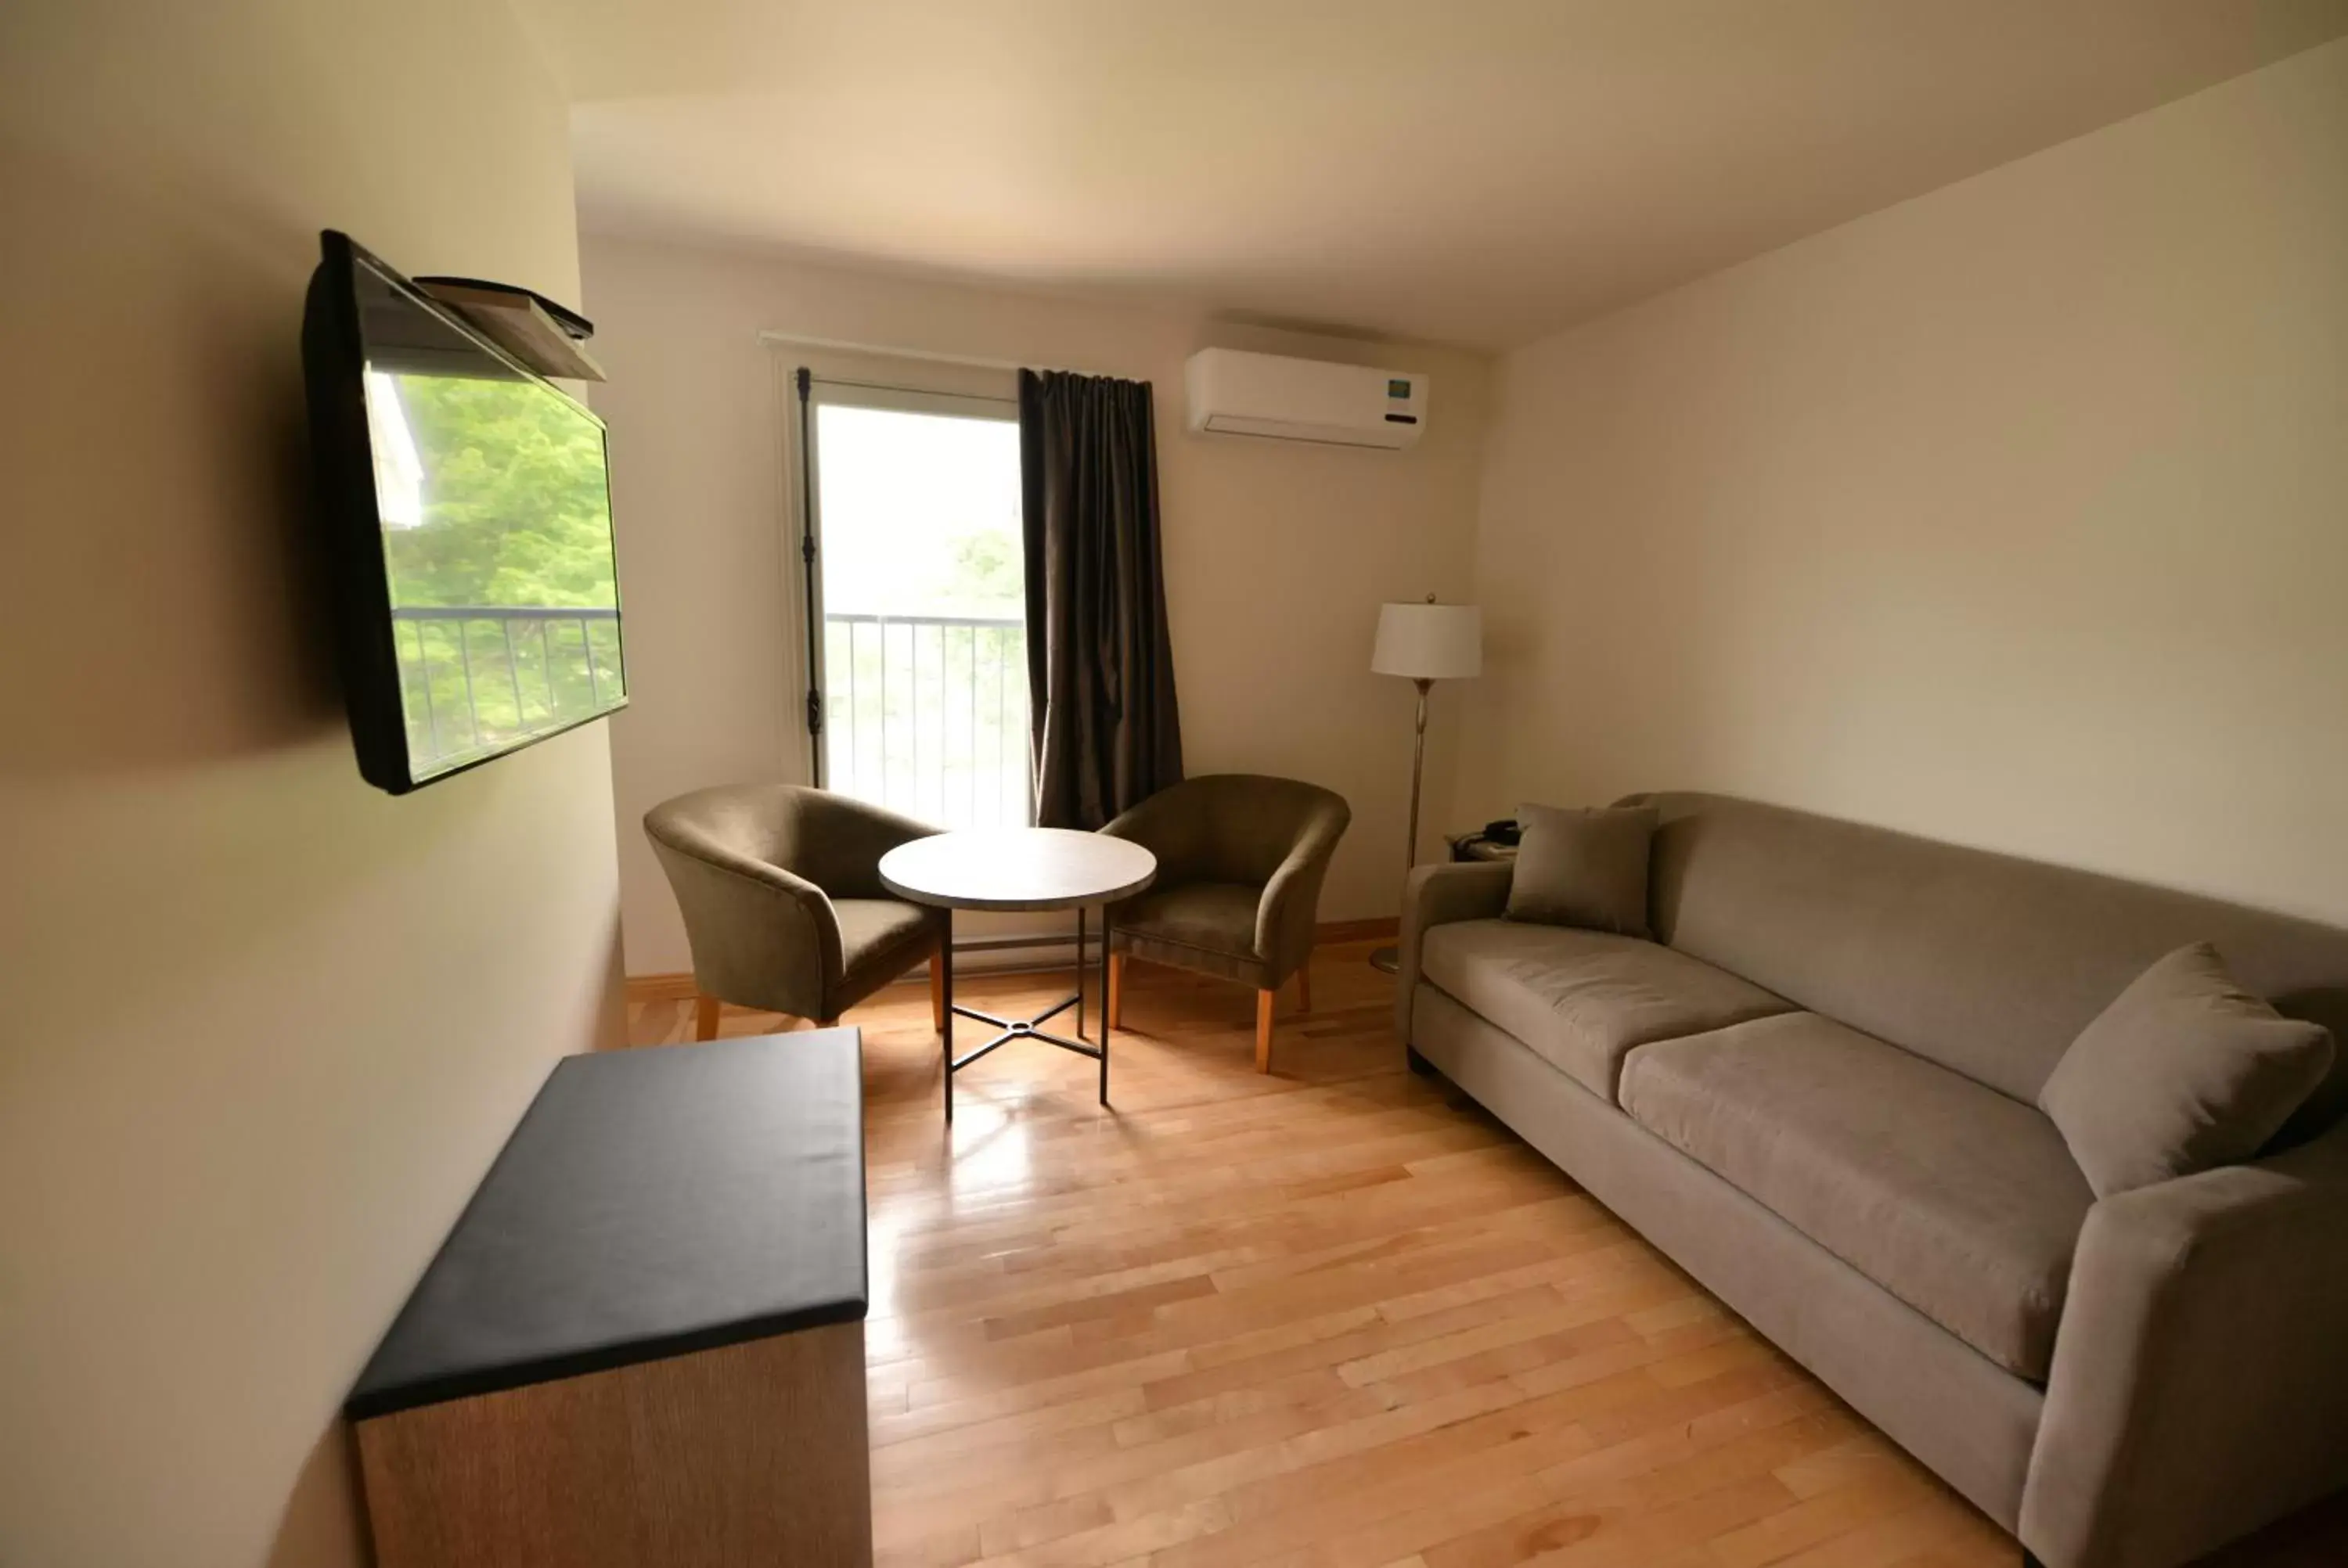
[(652, 1202)]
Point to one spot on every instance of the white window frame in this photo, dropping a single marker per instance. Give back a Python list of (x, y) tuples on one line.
[(805, 511)]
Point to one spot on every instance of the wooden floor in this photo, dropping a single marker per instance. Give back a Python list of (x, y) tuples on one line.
[(1333, 1315)]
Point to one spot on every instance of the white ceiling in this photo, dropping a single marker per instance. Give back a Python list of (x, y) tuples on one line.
[(1482, 171)]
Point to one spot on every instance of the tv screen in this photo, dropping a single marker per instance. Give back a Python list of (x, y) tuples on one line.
[(467, 514)]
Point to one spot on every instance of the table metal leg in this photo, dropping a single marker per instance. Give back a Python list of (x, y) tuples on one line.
[(1104, 1020), (1013, 1028), (946, 956)]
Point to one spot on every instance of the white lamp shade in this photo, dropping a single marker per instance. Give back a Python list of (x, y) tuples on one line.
[(1429, 642)]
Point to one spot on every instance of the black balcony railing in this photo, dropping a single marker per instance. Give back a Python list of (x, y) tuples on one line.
[(476, 677), (927, 715)]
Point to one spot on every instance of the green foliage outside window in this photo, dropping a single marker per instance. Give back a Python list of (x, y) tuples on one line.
[(514, 515)]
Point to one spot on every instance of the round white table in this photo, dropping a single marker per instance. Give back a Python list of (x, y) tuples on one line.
[(1021, 868)]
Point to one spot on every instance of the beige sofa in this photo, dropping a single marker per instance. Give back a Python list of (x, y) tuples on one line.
[(1815, 1091)]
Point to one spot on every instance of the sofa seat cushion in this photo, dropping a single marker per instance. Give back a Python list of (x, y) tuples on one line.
[(1961, 1201), (1583, 1000)]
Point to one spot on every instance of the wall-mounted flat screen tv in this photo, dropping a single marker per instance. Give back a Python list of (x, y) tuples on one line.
[(468, 515)]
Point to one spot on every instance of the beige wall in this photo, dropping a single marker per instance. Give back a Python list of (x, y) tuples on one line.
[(261, 1027), (2016, 515), (1277, 555)]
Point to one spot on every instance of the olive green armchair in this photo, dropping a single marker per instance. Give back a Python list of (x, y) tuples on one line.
[(1240, 859), (780, 891)]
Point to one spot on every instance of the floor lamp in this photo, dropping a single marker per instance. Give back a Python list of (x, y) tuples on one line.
[(1424, 643)]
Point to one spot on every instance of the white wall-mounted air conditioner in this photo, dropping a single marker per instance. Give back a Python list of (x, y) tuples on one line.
[(1284, 399)]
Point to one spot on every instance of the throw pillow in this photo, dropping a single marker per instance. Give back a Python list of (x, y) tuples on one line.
[(1585, 868), (2183, 1072)]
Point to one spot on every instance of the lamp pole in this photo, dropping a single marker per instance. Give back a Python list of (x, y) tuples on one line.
[(1389, 959), (1418, 766), (1424, 643)]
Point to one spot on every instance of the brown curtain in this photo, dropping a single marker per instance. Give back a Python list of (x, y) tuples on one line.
[(1100, 666)]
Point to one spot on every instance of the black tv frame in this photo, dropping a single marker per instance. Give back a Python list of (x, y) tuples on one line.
[(341, 449)]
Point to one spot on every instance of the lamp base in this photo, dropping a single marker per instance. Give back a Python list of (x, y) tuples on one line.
[(1387, 960)]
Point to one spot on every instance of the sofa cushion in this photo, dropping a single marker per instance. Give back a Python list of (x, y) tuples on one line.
[(1582, 999), (1961, 1201), (1583, 867), (2184, 1071)]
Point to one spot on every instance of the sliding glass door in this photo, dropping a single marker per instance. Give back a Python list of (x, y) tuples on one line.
[(916, 509)]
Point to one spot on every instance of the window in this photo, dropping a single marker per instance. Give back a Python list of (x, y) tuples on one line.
[(922, 596)]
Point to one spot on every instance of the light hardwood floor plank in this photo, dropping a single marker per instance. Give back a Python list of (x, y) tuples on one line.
[(1330, 1316)]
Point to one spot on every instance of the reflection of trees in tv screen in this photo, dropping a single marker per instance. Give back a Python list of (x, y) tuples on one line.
[(498, 548)]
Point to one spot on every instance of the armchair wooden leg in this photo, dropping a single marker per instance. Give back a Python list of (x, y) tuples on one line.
[(1264, 1030), (704, 1017), (1117, 990), (1304, 987), (938, 991)]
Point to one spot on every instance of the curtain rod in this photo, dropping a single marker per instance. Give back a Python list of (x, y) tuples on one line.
[(889, 351)]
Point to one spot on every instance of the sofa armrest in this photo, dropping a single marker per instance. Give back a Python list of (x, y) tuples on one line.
[(1434, 896), (2200, 1378)]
